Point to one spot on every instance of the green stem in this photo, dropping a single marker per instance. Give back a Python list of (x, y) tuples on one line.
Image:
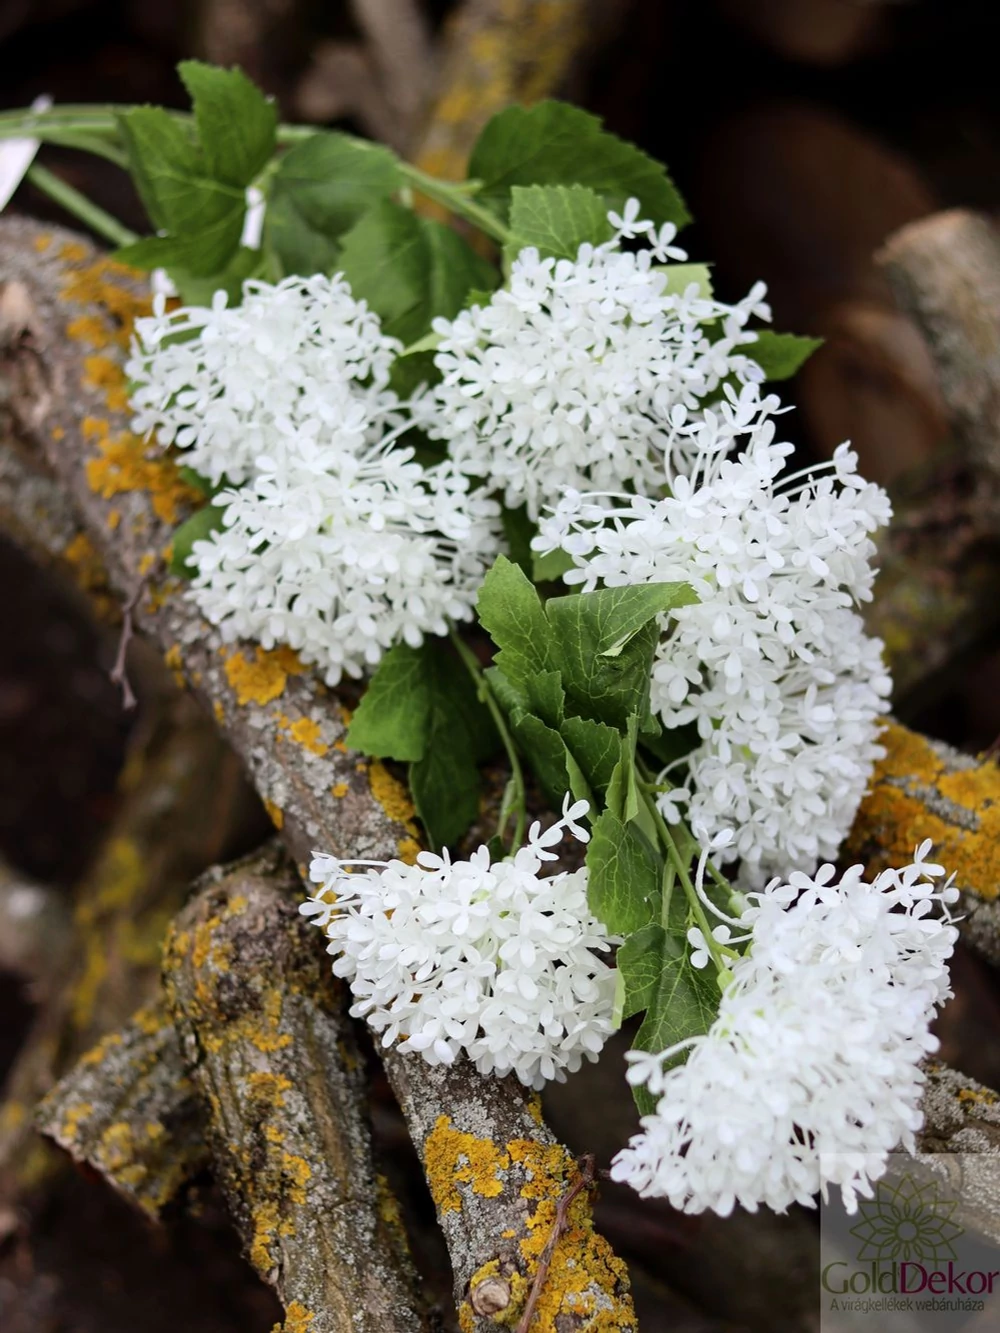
[(456, 199), (100, 123), (80, 206), (486, 694), (695, 903)]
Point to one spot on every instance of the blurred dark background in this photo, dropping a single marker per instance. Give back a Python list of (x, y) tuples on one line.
[(802, 132)]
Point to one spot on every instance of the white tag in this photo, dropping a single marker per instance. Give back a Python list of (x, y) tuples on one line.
[(16, 156)]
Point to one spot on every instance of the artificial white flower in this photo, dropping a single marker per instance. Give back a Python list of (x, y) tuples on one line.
[(571, 375), (344, 561), (772, 664), (486, 957), (232, 384), (336, 542), (816, 1049)]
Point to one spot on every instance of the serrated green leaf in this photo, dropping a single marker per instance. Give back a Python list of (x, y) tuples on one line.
[(624, 874), (546, 697), (519, 530), (639, 962), (393, 719), (553, 143), (604, 643), (199, 527), (236, 122), (322, 187), (192, 290), (511, 612), (683, 1002), (781, 355), (595, 746), (547, 754), (203, 216), (445, 786), (409, 269), (454, 270), (681, 276), (556, 219)]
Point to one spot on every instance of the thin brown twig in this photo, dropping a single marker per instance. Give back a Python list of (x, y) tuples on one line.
[(119, 674), (584, 1181)]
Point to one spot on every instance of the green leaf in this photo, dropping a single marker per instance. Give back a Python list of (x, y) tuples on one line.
[(321, 189), (197, 482), (681, 276), (547, 754), (639, 963), (409, 269), (556, 219), (244, 264), (421, 706), (683, 1002), (604, 643), (623, 794), (553, 143), (480, 296), (595, 746), (623, 887), (546, 697), (410, 370), (511, 612), (203, 216), (236, 122), (519, 529), (781, 355), (393, 719), (197, 528)]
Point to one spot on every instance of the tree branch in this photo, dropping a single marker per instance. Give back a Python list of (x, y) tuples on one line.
[(67, 400)]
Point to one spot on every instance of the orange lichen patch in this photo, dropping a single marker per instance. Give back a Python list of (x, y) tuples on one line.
[(982, 1096), (105, 375), (275, 813), (82, 555), (74, 1118), (174, 660), (306, 732), (123, 465), (42, 243), (391, 795), (58, 433), (453, 1158), (407, 850), (90, 329), (105, 284), (264, 679), (146, 562), (339, 790), (267, 1087), (72, 252), (97, 1053), (297, 1319), (114, 519), (915, 794)]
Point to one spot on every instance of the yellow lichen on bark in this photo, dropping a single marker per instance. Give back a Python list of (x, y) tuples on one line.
[(395, 800), (915, 793), (297, 1319), (453, 1158), (262, 680)]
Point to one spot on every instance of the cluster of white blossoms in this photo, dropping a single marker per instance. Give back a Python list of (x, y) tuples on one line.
[(477, 956), (337, 541), (772, 663), (569, 376), (810, 1075)]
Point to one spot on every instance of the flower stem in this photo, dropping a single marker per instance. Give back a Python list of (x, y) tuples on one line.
[(91, 214), (697, 908), (456, 199), (486, 694)]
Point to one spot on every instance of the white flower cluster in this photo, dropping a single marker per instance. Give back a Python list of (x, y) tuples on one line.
[(811, 1069), (445, 956), (772, 664), (336, 543), (570, 376)]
